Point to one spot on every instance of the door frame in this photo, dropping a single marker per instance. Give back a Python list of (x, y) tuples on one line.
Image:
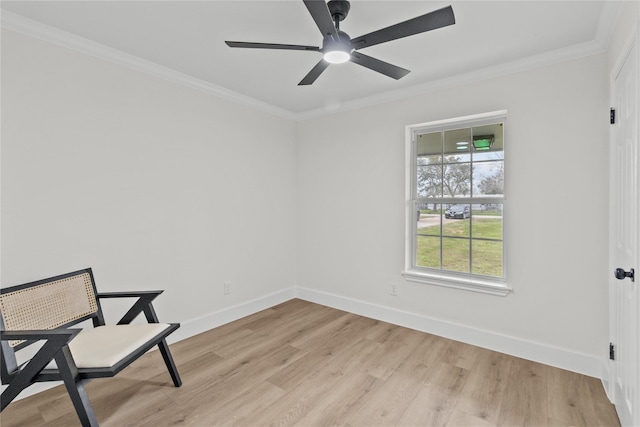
[(633, 41)]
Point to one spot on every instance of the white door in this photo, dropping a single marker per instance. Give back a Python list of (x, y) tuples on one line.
[(624, 291)]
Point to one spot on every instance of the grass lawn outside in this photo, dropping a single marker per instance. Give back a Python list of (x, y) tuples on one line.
[(485, 257)]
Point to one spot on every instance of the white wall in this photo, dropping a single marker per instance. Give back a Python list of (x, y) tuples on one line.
[(351, 210), (153, 185)]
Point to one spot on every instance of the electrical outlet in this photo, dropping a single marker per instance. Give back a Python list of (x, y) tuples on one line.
[(227, 287), (393, 289)]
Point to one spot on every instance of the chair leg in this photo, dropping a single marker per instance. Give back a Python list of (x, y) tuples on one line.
[(81, 404), (168, 360), (11, 392), (14, 388), (75, 388), (24, 378)]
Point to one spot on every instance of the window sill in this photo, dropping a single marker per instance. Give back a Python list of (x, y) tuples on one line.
[(468, 284)]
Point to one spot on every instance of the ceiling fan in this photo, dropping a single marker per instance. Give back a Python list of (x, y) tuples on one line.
[(338, 47)]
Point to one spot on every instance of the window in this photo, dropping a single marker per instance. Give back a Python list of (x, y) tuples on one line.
[(456, 203)]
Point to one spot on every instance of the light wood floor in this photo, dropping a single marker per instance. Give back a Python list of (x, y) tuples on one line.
[(305, 364)]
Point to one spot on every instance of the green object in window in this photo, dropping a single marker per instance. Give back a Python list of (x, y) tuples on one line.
[(482, 143)]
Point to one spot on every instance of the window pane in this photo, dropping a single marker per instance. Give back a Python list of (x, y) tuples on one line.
[(456, 221), (429, 220), (488, 178), (428, 251), (488, 155), (456, 179), (429, 147), (488, 142), (429, 181), (457, 145), (487, 221), (455, 254), (487, 258)]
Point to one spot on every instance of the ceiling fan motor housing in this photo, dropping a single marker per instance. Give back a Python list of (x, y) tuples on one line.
[(343, 43), (339, 9)]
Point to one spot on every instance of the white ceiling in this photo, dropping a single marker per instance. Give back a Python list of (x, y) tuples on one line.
[(489, 38)]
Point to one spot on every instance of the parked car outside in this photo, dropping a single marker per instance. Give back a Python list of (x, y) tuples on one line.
[(458, 211)]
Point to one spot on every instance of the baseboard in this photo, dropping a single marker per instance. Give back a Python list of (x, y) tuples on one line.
[(607, 379), (201, 324), (530, 350)]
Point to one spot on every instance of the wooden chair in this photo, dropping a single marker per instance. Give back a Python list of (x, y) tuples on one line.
[(44, 311)]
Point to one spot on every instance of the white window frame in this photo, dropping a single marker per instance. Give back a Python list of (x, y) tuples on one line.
[(451, 279)]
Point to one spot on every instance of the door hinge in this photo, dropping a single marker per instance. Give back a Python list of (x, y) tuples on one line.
[(612, 352), (612, 116)]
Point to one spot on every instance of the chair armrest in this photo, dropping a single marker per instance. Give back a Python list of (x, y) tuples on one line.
[(61, 334), (142, 305), (128, 294)]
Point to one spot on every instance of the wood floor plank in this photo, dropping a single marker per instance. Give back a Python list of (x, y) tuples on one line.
[(417, 361), (233, 379), (386, 404), (345, 334), (320, 380), (304, 364), (396, 347), (207, 342), (425, 356), (434, 403), (346, 397), (604, 409), (128, 409), (327, 325), (460, 418), (380, 331), (236, 410), (484, 391), (286, 314), (54, 409), (29, 418), (525, 400), (462, 355), (569, 398), (211, 339)]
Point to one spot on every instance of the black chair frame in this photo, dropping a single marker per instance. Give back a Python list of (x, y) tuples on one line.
[(56, 348)]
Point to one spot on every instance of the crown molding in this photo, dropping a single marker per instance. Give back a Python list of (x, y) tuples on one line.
[(600, 44), (29, 27), (500, 70)]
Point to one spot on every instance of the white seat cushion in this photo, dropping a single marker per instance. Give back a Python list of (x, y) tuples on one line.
[(105, 346)]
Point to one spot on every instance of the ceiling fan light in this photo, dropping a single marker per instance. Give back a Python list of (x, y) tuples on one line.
[(337, 56)]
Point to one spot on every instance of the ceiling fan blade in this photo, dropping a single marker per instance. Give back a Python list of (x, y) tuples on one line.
[(252, 45), (320, 13), (430, 21), (314, 73), (379, 66)]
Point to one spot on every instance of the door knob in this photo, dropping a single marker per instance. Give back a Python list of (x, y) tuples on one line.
[(621, 274)]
